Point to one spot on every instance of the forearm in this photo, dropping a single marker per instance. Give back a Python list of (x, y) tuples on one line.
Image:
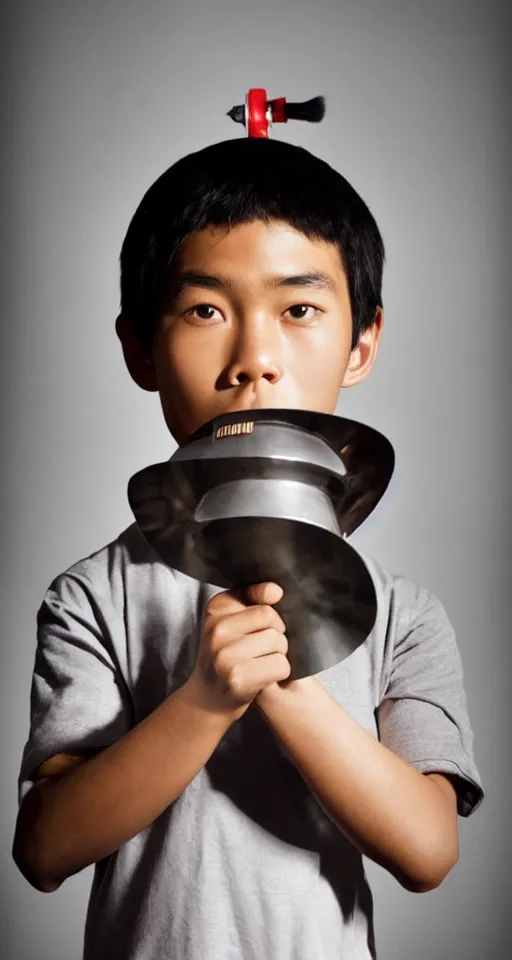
[(391, 812), (70, 821)]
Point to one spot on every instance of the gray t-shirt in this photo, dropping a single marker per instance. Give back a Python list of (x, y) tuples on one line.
[(245, 864)]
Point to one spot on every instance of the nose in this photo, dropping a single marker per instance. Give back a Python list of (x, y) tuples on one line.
[(256, 354)]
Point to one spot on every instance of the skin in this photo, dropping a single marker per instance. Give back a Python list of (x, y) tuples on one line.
[(256, 346)]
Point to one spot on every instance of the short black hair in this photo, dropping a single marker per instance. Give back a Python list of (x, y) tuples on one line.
[(239, 181)]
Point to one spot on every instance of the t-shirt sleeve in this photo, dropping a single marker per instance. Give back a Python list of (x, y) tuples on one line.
[(423, 714), (78, 699)]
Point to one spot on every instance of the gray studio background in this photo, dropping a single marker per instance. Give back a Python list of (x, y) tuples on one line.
[(97, 100)]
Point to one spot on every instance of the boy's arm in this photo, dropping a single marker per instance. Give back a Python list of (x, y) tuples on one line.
[(401, 819), (85, 809)]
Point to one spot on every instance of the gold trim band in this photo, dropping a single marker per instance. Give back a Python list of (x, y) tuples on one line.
[(234, 429)]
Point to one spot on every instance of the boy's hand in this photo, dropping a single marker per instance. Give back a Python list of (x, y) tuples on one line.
[(243, 649)]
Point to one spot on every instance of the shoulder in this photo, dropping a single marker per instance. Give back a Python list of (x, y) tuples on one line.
[(104, 572), (128, 548), (401, 601), (410, 624), (412, 630), (122, 590), (102, 589)]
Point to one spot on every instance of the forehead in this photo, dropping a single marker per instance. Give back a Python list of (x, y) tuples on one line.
[(258, 246)]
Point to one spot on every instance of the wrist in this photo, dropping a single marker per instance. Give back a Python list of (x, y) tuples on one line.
[(197, 697), (285, 690)]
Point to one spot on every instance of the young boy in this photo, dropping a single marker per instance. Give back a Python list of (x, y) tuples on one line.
[(227, 812)]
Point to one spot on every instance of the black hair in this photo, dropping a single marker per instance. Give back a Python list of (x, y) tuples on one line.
[(239, 181)]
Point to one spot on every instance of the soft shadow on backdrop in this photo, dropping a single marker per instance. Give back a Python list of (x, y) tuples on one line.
[(98, 99)]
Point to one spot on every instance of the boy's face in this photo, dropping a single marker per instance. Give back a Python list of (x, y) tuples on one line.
[(257, 316)]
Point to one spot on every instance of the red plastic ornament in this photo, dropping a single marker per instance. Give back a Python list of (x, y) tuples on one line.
[(258, 116)]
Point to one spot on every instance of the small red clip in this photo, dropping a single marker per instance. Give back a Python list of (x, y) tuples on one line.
[(258, 115)]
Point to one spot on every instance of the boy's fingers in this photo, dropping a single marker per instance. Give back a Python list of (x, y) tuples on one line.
[(267, 592), (228, 601), (231, 601)]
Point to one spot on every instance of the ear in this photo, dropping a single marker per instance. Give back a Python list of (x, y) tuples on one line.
[(141, 368), (363, 355)]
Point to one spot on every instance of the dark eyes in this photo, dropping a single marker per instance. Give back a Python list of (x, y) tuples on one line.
[(205, 311), (300, 306), (201, 310)]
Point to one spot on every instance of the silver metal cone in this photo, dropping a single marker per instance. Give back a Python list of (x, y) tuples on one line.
[(270, 495)]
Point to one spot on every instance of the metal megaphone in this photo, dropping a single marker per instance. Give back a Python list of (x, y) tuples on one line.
[(271, 495)]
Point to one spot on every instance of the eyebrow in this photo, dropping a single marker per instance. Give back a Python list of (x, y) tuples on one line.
[(312, 278)]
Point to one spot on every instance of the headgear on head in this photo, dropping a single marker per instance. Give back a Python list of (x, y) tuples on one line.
[(258, 113)]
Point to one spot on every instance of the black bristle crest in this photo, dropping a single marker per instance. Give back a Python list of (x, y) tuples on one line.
[(311, 110)]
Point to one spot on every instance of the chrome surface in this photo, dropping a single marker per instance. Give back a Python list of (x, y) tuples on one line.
[(270, 495)]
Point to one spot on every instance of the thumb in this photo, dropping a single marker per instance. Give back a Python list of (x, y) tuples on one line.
[(267, 592)]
